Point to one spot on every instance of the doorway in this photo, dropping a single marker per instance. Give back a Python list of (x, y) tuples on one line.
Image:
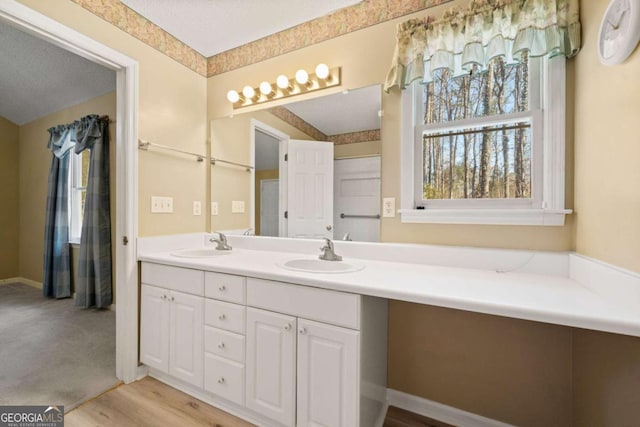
[(125, 215)]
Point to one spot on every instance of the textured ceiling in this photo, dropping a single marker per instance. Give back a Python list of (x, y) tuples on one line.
[(340, 113), (38, 78), (214, 26)]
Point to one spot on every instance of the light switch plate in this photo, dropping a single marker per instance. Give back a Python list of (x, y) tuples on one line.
[(389, 207), (237, 206), (197, 207), (214, 208), (161, 204)]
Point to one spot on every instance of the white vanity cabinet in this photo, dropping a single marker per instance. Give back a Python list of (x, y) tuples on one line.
[(224, 340), (171, 322), (304, 355), (276, 353)]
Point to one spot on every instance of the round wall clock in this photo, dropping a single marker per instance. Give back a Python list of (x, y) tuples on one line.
[(619, 31)]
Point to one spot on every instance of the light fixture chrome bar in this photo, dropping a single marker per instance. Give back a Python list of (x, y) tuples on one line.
[(144, 145), (247, 167), (360, 216)]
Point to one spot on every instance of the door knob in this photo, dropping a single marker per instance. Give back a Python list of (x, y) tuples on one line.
[(329, 228)]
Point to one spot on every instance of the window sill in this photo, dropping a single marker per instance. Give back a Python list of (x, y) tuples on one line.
[(543, 217)]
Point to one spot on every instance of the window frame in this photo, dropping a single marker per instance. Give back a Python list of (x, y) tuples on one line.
[(547, 114), (75, 197)]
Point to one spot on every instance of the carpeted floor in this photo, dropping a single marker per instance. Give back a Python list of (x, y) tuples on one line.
[(52, 352)]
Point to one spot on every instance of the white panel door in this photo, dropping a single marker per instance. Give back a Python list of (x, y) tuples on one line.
[(310, 189), (328, 375), (269, 207), (186, 337), (271, 365), (154, 327), (356, 196)]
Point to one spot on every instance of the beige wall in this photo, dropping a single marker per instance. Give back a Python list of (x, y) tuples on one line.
[(230, 140), (35, 161), (172, 111), (607, 150), (9, 213), (357, 149)]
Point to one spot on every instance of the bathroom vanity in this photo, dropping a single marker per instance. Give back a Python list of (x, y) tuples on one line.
[(273, 352), (271, 334)]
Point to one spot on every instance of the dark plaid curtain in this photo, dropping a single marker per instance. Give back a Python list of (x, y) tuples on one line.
[(93, 286), (57, 268)]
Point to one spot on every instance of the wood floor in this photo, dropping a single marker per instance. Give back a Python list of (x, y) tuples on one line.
[(149, 402)]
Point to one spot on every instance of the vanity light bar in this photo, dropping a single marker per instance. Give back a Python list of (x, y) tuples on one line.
[(284, 87)]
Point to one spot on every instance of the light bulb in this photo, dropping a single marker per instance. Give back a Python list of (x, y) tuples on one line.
[(302, 77), (282, 81), (322, 71), (233, 96), (265, 88), (248, 92)]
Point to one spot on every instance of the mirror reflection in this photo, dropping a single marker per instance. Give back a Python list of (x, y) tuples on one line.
[(308, 169)]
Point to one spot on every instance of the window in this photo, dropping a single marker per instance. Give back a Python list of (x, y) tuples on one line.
[(78, 174), (486, 147)]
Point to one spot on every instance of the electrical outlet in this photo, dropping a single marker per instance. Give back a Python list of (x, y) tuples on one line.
[(389, 207), (197, 207), (237, 206), (214, 208), (161, 204)]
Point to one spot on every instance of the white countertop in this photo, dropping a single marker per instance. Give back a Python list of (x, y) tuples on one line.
[(545, 298)]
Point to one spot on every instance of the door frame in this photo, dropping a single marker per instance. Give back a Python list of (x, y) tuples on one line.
[(126, 215), (283, 138)]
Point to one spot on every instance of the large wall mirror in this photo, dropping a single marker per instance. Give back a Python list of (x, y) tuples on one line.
[(307, 169)]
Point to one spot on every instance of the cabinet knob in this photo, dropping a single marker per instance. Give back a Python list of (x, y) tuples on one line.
[(302, 331), (222, 288), (287, 326), (163, 297), (222, 316), (221, 345), (171, 299), (221, 380)]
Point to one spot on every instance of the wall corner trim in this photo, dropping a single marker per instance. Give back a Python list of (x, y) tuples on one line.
[(439, 411)]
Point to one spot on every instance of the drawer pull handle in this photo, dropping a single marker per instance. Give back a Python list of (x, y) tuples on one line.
[(221, 380), (221, 345), (222, 288), (287, 326), (302, 331), (222, 316)]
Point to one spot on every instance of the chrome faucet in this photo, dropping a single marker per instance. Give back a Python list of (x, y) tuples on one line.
[(347, 237), (221, 242), (328, 252), (248, 232)]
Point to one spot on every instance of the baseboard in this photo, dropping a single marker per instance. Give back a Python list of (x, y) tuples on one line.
[(22, 280), (439, 411)]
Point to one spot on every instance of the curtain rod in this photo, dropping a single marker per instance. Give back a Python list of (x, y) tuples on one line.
[(247, 167), (144, 145)]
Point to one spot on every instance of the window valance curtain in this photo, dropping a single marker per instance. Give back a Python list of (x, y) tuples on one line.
[(464, 39)]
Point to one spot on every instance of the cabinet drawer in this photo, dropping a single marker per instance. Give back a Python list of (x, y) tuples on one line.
[(224, 287), (337, 308), (224, 344), (176, 278), (224, 378), (224, 315)]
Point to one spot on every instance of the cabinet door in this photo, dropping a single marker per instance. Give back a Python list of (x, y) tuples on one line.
[(154, 327), (328, 375), (270, 368), (186, 337)]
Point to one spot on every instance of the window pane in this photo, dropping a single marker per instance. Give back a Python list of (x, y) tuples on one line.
[(84, 162), (488, 162), (501, 89)]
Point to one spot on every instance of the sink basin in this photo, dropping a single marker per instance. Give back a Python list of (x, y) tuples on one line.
[(199, 253), (320, 266)]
